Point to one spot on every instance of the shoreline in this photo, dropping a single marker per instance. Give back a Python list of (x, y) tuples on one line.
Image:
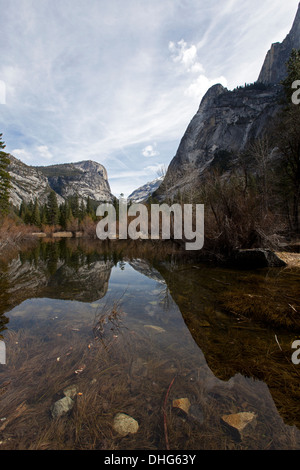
[(290, 258)]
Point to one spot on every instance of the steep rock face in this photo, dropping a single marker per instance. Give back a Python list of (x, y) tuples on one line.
[(85, 179), (27, 183), (144, 192), (145, 268), (229, 120), (274, 68), (226, 120)]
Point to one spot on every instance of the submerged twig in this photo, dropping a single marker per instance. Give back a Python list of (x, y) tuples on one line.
[(19, 410), (109, 319), (278, 343), (165, 414)]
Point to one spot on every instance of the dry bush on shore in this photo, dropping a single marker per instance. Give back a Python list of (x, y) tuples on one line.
[(13, 233)]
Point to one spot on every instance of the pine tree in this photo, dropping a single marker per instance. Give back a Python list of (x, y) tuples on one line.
[(62, 218), (82, 210), (36, 215), (4, 179), (65, 214), (52, 209), (28, 213), (23, 210), (75, 207), (43, 212), (89, 209)]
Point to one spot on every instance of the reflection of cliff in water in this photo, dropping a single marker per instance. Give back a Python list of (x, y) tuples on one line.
[(144, 267), (54, 271), (232, 346), (87, 283)]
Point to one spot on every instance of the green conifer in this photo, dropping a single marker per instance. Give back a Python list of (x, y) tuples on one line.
[(4, 179)]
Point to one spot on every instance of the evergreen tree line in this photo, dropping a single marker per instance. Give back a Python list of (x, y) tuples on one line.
[(69, 214)]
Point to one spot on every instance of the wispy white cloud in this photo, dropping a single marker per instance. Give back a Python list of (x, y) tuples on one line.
[(150, 151), (186, 55), (40, 153), (23, 155), (155, 168), (44, 152), (105, 80), (201, 84)]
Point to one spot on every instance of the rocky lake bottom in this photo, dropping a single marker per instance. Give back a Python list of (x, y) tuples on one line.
[(109, 351)]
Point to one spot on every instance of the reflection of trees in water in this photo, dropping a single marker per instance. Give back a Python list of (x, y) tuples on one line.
[(59, 270), (147, 269), (166, 298)]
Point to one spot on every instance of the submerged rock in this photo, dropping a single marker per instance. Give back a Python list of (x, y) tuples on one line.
[(235, 424), (183, 404), (61, 407), (158, 329), (193, 412), (124, 425), (70, 391), (138, 368)]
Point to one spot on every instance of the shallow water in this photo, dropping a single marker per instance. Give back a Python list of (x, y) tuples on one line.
[(133, 334)]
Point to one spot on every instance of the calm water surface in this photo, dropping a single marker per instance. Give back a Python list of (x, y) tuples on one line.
[(132, 334)]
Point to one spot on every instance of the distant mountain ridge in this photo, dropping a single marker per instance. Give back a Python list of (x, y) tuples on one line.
[(144, 192), (84, 179)]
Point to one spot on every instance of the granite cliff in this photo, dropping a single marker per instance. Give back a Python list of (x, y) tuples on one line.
[(27, 183), (274, 67), (84, 179), (227, 121)]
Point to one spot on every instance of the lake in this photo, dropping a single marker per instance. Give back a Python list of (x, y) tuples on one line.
[(132, 331)]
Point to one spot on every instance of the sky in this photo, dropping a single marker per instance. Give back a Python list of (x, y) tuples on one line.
[(118, 81)]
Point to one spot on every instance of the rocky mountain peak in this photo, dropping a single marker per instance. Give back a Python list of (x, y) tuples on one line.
[(84, 179), (295, 31), (211, 95), (92, 167), (27, 183), (144, 192), (274, 67)]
